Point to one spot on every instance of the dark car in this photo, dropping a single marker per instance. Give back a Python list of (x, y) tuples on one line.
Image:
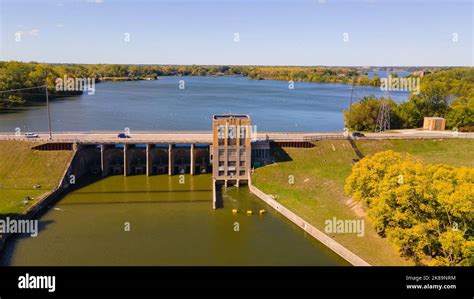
[(123, 135), (357, 134)]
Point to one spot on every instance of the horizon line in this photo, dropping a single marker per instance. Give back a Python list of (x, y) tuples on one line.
[(260, 65)]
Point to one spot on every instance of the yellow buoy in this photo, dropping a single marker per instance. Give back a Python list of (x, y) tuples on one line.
[(234, 211), (261, 212), (249, 213)]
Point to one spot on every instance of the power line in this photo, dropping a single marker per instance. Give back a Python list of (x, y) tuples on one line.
[(45, 86), (42, 94), (26, 88)]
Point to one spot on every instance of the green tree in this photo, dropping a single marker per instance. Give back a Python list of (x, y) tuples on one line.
[(364, 114)]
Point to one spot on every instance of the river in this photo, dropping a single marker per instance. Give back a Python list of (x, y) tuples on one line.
[(156, 220)]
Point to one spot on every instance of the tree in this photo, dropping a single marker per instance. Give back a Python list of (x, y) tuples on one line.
[(425, 211), (462, 118), (364, 114), (11, 100), (375, 81), (364, 80)]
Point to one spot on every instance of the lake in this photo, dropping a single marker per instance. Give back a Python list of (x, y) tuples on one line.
[(161, 106)]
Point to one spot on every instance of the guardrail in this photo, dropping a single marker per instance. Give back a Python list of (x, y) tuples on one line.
[(106, 141), (68, 140), (325, 137), (111, 132), (407, 136), (302, 138)]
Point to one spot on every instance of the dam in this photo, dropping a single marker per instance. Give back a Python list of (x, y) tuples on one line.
[(229, 155), (161, 186), (229, 152), (165, 186)]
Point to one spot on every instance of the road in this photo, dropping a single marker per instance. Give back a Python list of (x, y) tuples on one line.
[(206, 136)]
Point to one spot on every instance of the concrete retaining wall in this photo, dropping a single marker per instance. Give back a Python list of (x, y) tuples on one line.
[(310, 229)]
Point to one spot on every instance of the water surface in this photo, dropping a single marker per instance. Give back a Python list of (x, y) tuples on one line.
[(87, 227), (161, 106)]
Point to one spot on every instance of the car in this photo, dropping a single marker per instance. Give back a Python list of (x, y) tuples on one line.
[(123, 135), (31, 135), (357, 134)]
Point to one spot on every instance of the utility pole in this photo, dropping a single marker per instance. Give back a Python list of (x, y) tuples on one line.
[(383, 118), (350, 106), (49, 112)]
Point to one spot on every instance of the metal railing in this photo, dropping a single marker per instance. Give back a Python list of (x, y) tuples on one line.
[(289, 138)]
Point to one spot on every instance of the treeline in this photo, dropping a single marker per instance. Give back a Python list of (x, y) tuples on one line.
[(425, 211), (447, 93), (19, 75), (312, 74), (15, 75)]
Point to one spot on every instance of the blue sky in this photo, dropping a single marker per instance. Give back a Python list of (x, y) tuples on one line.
[(279, 32)]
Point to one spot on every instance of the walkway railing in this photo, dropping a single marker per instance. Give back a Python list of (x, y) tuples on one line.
[(162, 137)]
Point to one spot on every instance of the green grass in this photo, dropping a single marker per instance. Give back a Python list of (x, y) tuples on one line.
[(455, 152), (21, 168), (319, 174)]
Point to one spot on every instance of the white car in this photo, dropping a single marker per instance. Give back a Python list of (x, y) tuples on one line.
[(31, 135)]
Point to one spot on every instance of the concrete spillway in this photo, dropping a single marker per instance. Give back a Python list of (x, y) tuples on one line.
[(134, 159)]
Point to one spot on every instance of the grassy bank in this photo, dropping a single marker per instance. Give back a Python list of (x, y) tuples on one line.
[(316, 193), (21, 168)]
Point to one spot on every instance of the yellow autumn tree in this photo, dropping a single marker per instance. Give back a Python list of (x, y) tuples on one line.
[(425, 211)]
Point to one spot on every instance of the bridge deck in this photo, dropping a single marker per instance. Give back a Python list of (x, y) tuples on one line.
[(205, 137)]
